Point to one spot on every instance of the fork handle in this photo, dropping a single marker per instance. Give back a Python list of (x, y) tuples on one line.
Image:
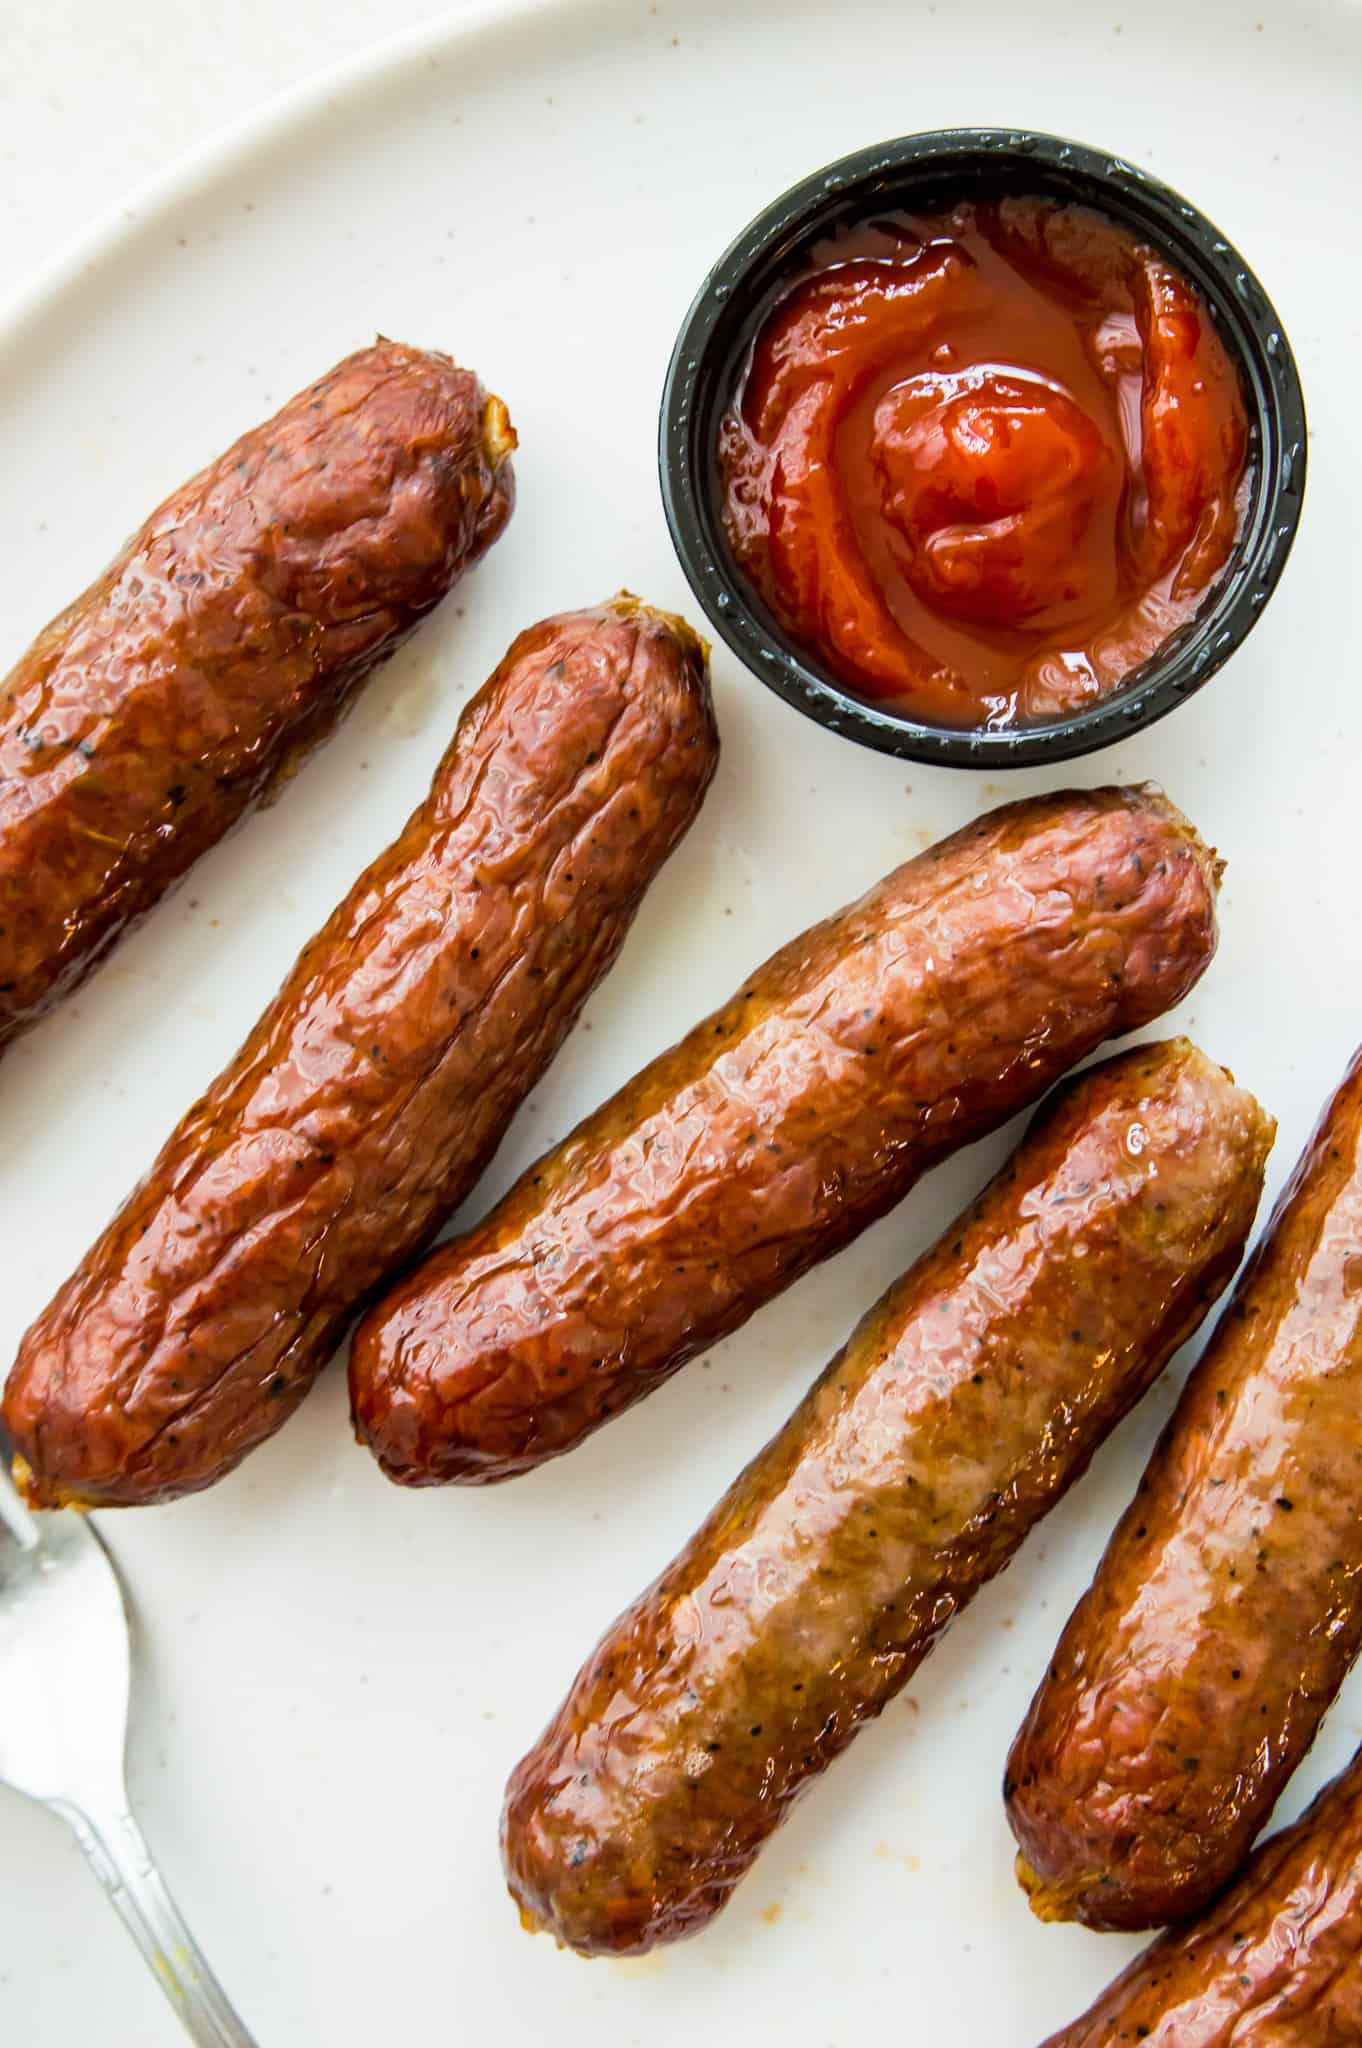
[(119, 1856)]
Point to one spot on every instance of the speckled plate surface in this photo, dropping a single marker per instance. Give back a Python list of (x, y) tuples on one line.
[(335, 1677)]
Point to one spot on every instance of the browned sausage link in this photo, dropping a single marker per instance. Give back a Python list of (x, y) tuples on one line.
[(223, 642), (370, 1094), (948, 998), (965, 1404), (1193, 1675), (1276, 1963)]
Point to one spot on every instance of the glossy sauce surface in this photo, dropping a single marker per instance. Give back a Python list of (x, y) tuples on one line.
[(1275, 1963), (953, 994), (964, 1405), (369, 1096), (223, 643), (984, 462), (1193, 1675)]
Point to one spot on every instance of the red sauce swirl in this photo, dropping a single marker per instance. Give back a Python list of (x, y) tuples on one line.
[(983, 463)]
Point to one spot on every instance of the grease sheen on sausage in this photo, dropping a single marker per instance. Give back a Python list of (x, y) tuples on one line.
[(1193, 1675), (1276, 1963), (222, 643), (369, 1096), (946, 999), (963, 1407)]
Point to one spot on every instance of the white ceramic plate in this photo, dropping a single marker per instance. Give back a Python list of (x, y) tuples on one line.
[(334, 1676)]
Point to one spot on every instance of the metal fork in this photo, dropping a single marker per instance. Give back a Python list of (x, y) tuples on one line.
[(64, 1685)]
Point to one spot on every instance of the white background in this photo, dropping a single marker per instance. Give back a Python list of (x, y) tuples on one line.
[(333, 1677)]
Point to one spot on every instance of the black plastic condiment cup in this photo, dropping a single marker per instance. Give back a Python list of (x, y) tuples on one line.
[(921, 173)]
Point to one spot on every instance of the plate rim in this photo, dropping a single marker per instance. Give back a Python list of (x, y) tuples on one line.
[(188, 172), (215, 156)]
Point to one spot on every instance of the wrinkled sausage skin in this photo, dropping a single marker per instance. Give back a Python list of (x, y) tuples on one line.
[(1193, 1675), (224, 641), (877, 1043), (963, 1407), (1275, 1963), (366, 1101)]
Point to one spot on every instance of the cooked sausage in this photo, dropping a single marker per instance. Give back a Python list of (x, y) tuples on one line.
[(373, 1090), (223, 642), (1192, 1676), (965, 1404), (1276, 1963), (947, 999)]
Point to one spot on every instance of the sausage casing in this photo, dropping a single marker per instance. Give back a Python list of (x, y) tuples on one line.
[(223, 641), (1275, 1963), (964, 1405), (370, 1094), (877, 1043), (1193, 1674)]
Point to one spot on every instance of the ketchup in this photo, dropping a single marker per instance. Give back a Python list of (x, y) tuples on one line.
[(984, 462)]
